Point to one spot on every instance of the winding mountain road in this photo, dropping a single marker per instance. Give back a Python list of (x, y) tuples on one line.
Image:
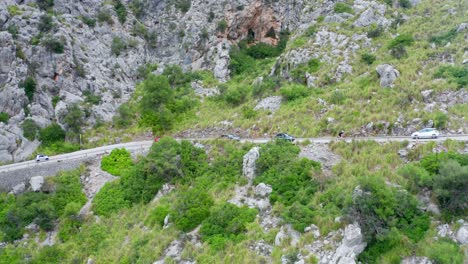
[(13, 174)]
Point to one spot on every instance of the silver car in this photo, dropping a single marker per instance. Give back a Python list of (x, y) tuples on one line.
[(426, 133), (41, 157)]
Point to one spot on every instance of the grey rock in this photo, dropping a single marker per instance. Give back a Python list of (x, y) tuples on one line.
[(18, 189), (166, 221), (387, 74), (310, 80), (313, 229), (202, 91), (262, 248), (462, 27), (416, 260), (36, 183), (374, 14), (286, 232), (263, 190), (272, 104), (462, 234), (426, 94), (321, 153), (351, 246), (90, 261), (249, 163)]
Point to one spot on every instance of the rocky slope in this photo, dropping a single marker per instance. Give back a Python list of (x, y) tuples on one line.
[(104, 48)]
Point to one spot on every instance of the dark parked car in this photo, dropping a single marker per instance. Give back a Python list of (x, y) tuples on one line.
[(284, 136), (232, 137)]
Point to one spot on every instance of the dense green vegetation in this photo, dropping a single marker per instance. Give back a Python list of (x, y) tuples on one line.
[(64, 201), (4, 117), (117, 162)]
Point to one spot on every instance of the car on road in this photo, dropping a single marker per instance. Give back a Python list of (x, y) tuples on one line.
[(284, 136), (231, 137), (426, 133), (41, 157)]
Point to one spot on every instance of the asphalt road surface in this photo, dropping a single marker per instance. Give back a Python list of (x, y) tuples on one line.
[(145, 145)]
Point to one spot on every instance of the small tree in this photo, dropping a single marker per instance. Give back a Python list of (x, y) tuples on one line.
[(29, 86), (52, 134)]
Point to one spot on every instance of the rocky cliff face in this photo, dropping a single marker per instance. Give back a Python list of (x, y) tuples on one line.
[(101, 55)]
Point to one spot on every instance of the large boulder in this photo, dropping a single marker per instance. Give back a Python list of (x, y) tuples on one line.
[(36, 183), (249, 163), (374, 14), (351, 246), (462, 235), (387, 74), (272, 104), (286, 232)]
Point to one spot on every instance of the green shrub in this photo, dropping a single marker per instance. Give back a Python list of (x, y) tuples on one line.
[(124, 117), (104, 16), (46, 23), (267, 86), (91, 98), (30, 129), (379, 209), (191, 207), (138, 8), (440, 120), (19, 52), (50, 254), (416, 174), (405, 3), (157, 215), (74, 118), (222, 26), (289, 176), (445, 251), (450, 187), (444, 38), (54, 45), (117, 161), (403, 39), (4, 117), (140, 30), (343, 8), (226, 222), (13, 30), (143, 71), (294, 92), (456, 74), (299, 73), (121, 11), (262, 50), (118, 46), (248, 112), (337, 97), (14, 10), (299, 216), (110, 199), (29, 86), (236, 95), (45, 4), (240, 62), (52, 134), (90, 22), (55, 100), (375, 31), (67, 190), (368, 58), (183, 5)]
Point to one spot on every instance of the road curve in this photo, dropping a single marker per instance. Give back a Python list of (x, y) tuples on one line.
[(144, 145)]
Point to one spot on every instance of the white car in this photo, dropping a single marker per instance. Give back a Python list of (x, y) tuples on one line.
[(426, 133), (41, 157)]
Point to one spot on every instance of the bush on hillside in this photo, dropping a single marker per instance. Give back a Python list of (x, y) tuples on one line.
[(299, 72), (191, 207), (105, 16), (450, 187), (222, 26), (455, 74), (343, 8), (398, 45), (267, 86), (226, 223), (236, 95), (294, 92), (4, 117), (110, 199), (183, 5), (157, 215), (89, 21), (117, 161), (240, 62), (54, 45), (405, 3), (375, 31), (52, 134), (445, 251), (124, 117), (74, 118), (46, 23), (118, 46), (138, 8), (29, 86), (368, 58), (444, 38), (121, 11), (45, 4)]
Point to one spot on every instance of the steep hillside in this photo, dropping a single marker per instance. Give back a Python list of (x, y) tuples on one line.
[(79, 74)]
